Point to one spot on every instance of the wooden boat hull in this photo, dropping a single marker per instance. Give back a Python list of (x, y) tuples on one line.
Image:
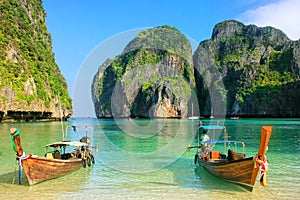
[(240, 171), (237, 171), (38, 169)]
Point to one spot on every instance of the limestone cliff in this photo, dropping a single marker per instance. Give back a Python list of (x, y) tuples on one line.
[(153, 77), (258, 66), (242, 70), (31, 84)]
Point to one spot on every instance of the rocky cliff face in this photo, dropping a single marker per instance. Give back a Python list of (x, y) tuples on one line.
[(153, 77), (252, 71), (242, 70), (31, 84)]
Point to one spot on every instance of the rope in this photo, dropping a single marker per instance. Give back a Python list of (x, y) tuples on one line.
[(19, 161), (269, 191), (13, 180), (276, 197)]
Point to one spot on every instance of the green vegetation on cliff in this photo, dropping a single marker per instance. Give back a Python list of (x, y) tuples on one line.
[(146, 50), (156, 66), (27, 62), (256, 64), (162, 38)]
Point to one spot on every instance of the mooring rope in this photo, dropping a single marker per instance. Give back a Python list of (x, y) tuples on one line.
[(13, 180), (275, 196)]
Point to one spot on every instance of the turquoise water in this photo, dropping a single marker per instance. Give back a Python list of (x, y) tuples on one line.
[(147, 159)]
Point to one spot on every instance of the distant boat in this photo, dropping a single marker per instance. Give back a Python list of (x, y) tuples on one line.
[(237, 117), (194, 117), (57, 161), (233, 167), (212, 114)]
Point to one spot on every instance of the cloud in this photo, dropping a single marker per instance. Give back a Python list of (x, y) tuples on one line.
[(282, 14)]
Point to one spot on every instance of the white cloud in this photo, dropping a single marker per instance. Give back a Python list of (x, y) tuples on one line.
[(282, 14)]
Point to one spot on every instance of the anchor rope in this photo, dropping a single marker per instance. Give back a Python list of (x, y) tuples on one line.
[(13, 180), (276, 197)]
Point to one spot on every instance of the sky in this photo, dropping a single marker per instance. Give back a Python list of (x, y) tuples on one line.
[(86, 33)]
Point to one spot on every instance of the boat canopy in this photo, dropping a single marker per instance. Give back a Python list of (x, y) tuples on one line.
[(67, 143), (217, 141), (213, 127)]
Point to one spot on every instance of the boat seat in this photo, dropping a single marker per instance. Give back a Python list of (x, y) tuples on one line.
[(222, 156), (238, 156), (235, 155), (66, 156), (49, 155), (214, 154), (56, 154)]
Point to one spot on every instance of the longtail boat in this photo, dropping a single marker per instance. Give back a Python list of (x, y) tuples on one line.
[(231, 165), (60, 158)]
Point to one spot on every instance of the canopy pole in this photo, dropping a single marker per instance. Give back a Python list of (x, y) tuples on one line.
[(225, 138)]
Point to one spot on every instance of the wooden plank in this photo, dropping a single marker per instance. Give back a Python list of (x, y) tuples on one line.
[(38, 169), (266, 132), (241, 172), (238, 172), (17, 141)]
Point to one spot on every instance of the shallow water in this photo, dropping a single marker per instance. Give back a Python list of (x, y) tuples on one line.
[(144, 159)]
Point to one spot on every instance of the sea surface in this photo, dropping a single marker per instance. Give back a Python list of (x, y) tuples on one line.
[(147, 159)]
